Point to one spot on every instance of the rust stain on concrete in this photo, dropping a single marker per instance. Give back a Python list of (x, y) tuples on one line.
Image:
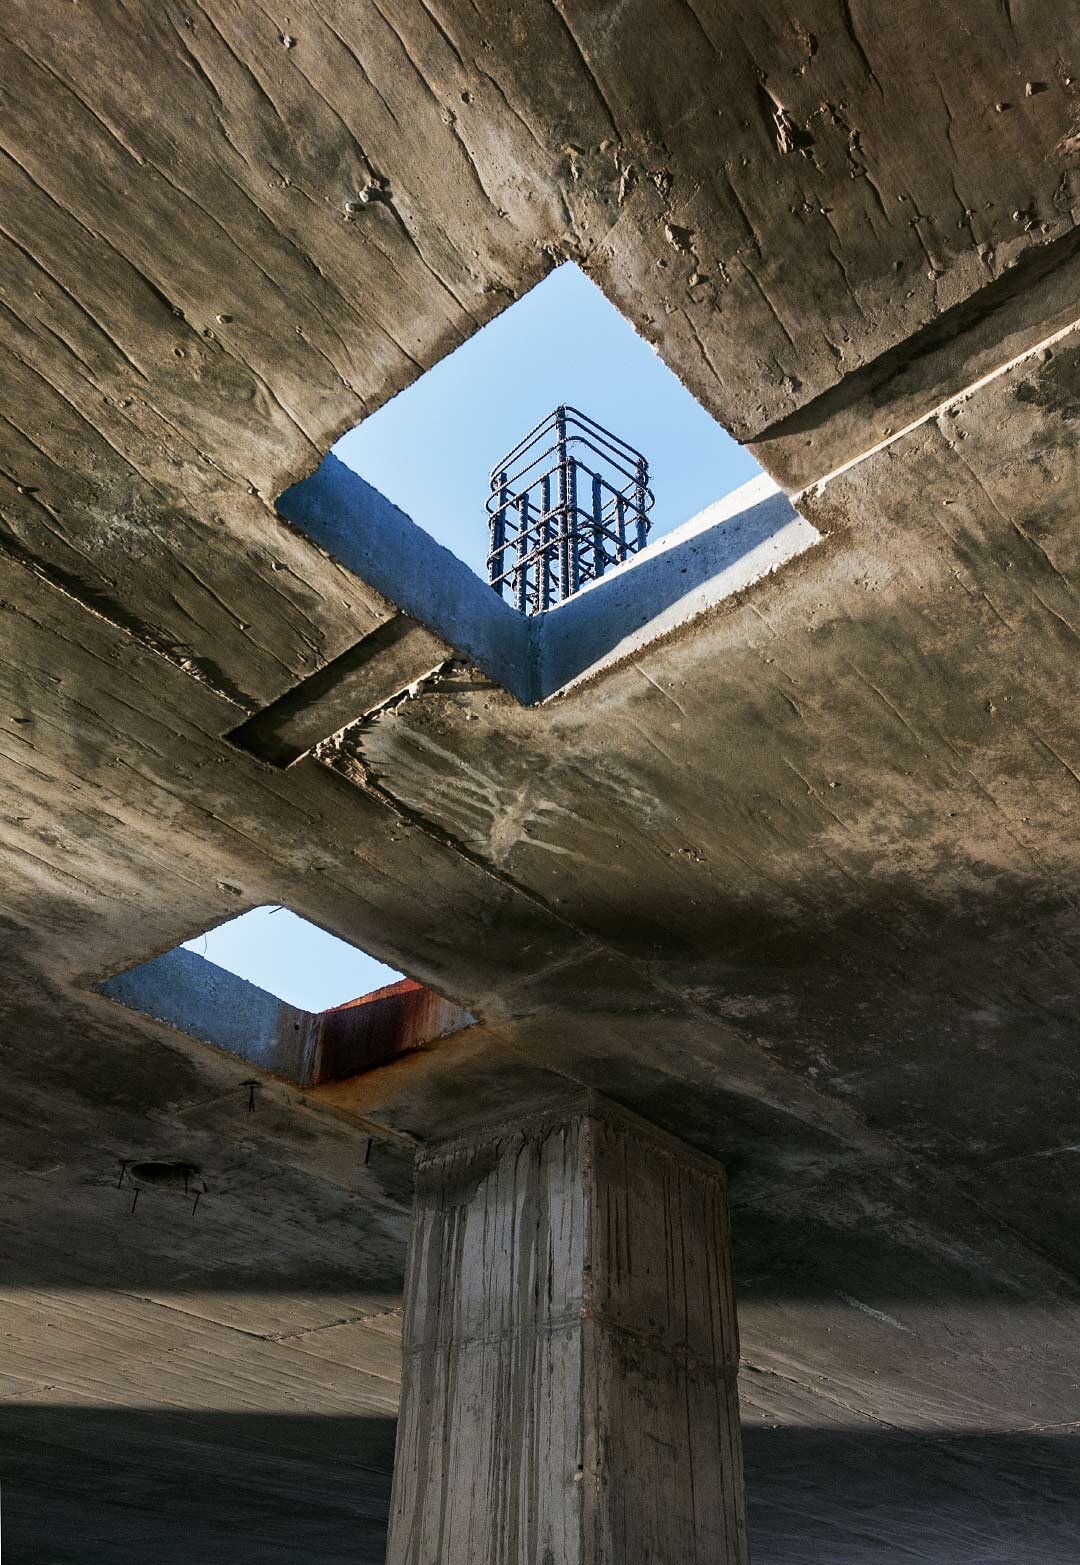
[(377, 1028)]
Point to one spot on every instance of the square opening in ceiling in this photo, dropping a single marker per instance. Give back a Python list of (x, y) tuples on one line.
[(409, 502), (287, 996), (431, 449)]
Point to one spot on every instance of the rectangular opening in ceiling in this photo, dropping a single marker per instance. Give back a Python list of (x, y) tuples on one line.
[(292, 959), (435, 449), (280, 992)]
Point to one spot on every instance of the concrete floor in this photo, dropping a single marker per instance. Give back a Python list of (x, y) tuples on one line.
[(795, 879)]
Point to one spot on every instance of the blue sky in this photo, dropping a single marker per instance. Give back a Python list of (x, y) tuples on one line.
[(431, 448), (291, 958)]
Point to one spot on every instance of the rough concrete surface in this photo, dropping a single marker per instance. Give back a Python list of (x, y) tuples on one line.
[(570, 1352), (797, 878)]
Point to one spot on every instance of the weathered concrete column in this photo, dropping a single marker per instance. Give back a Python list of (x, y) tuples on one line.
[(570, 1352)]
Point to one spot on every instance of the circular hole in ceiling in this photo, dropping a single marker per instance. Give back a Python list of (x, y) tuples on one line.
[(166, 1176)]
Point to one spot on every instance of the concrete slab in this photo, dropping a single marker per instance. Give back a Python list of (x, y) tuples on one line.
[(799, 879)]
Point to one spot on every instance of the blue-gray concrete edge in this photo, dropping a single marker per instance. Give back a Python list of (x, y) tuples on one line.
[(199, 998), (729, 546), (365, 532), (739, 540)]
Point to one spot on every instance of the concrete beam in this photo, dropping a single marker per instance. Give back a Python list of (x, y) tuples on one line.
[(570, 1351), (1021, 313), (387, 661)]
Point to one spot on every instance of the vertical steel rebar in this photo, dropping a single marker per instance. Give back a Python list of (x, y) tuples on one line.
[(521, 568), (620, 526), (544, 570), (574, 534), (564, 502), (640, 491), (497, 551), (546, 540), (599, 553)]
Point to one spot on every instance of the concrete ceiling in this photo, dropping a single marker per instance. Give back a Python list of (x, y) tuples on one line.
[(799, 880)]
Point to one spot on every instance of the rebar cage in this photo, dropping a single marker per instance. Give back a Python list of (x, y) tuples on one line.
[(567, 502)]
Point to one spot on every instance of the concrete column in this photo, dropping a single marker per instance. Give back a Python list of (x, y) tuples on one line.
[(570, 1353)]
